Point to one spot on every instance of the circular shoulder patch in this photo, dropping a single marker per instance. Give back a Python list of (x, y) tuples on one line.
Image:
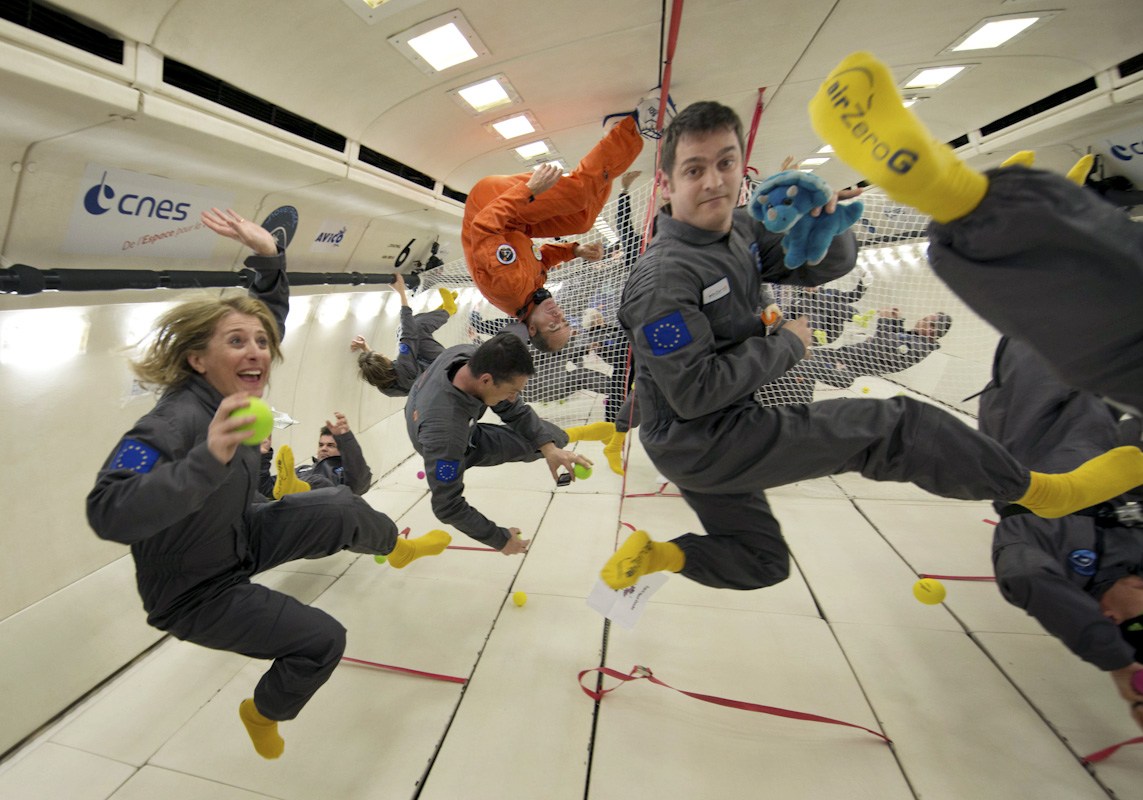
[(505, 254)]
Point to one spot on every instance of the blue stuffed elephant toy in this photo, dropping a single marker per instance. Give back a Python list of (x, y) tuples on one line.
[(782, 203)]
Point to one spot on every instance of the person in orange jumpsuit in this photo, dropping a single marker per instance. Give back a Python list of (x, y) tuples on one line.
[(504, 212)]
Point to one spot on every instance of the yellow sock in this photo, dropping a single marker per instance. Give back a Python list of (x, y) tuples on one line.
[(1024, 158), (263, 732), (859, 111), (595, 432), (287, 481), (406, 551), (1096, 480), (640, 556), (1079, 171), (613, 451), (448, 300)]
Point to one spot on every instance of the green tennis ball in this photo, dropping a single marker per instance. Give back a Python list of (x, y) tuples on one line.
[(582, 472), (263, 420)]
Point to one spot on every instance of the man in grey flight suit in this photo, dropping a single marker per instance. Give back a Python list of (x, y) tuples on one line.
[(1079, 576), (442, 417), (689, 308)]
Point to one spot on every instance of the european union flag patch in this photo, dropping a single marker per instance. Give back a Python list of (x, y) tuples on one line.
[(135, 456), (447, 471), (667, 334)]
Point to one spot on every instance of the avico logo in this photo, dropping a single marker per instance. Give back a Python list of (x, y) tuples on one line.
[(130, 204)]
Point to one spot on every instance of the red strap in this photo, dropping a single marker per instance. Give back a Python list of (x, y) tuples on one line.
[(988, 578), (640, 673), (1100, 755), (672, 40), (753, 128), (431, 675)]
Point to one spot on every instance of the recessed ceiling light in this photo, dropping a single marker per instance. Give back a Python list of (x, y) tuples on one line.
[(932, 77), (533, 149), (813, 162), (826, 149), (486, 94), (994, 32), (372, 11), (511, 127), (443, 47), (439, 43)]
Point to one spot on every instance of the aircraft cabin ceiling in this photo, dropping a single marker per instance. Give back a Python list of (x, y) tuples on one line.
[(571, 63)]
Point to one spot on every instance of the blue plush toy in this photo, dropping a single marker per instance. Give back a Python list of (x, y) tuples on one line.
[(783, 202)]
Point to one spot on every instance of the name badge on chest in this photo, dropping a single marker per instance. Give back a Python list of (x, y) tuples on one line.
[(720, 288)]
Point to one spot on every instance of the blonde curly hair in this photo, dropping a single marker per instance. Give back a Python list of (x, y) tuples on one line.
[(187, 328)]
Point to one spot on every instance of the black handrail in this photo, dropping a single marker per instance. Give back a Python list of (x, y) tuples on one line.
[(22, 279)]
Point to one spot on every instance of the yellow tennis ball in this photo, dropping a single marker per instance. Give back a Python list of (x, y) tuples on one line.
[(519, 598), (380, 559), (263, 420), (929, 591), (582, 472)]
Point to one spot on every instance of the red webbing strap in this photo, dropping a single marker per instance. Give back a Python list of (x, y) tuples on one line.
[(643, 673), (672, 40), (753, 129), (436, 676), (659, 493), (988, 578), (1100, 755)]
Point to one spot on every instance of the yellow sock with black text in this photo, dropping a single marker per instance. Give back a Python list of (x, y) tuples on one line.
[(639, 556), (287, 481), (1097, 480), (613, 452), (859, 111), (262, 730), (595, 432), (406, 551), (1080, 170), (448, 300)]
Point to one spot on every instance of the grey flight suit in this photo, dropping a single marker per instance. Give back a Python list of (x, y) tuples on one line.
[(416, 348), (1057, 569), (690, 310), (197, 534), (1059, 267), (443, 426), (890, 349)]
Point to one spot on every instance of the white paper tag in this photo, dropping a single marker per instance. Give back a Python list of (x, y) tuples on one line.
[(716, 290), (625, 606)]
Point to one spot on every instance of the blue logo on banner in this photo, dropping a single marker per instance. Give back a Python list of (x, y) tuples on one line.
[(135, 456), (1083, 562), (282, 223), (447, 471), (667, 334), (132, 205)]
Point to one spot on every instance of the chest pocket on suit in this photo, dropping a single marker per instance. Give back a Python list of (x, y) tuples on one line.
[(729, 321)]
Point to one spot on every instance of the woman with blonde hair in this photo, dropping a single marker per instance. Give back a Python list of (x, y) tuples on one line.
[(180, 489)]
